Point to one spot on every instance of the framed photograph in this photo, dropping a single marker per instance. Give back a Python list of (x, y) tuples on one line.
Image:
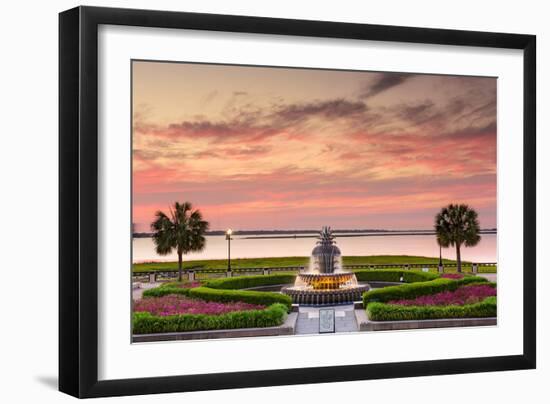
[(242, 197)]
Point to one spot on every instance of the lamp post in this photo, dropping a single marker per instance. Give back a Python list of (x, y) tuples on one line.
[(228, 238)]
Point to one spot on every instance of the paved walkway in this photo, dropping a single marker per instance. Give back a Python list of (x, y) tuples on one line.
[(137, 292), (490, 277), (308, 319)]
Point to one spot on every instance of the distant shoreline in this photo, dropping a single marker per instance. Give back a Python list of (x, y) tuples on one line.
[(359, 235), (268, 234)]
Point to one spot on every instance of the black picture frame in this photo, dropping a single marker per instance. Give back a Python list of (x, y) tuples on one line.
[(78, 200)]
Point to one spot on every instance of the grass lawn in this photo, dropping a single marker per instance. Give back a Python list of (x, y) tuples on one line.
[(296, 261), (221, 264)]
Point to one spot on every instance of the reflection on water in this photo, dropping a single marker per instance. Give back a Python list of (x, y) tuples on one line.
[(241, 247)]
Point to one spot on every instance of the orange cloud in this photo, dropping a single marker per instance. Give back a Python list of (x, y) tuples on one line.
[(386, 154)]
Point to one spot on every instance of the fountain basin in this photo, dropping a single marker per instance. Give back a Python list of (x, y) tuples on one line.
[(325, 297), (322, 289)]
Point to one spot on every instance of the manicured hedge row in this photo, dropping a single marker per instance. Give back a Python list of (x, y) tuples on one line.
[(247, 296), (381, 275), (394, 275), (243, 282), (146, 323), (225, 291), (413, 290), (419, 276), (392, 312), (166, 289)]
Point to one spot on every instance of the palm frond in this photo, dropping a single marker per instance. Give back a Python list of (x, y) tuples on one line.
[(182, 229), (457, 224)]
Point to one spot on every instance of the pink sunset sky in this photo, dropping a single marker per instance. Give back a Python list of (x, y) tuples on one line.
[(277, 148)]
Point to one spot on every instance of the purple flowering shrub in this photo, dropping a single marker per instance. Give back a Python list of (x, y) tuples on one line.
[(469, 294), (177, 304), (452, 276)]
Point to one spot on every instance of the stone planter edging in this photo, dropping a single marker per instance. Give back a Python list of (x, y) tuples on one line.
[(367, 325), (287, 328)]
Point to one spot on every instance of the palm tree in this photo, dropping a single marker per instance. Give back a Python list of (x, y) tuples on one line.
[(182, 230), (456, 225)]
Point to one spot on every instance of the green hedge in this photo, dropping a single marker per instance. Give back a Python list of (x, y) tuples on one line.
[(413, 290), (419, 276), (381, 275), (247, 296), (243, 282), (223, 290), (166, 289), (394, 275), (146, 323), (393, 312)]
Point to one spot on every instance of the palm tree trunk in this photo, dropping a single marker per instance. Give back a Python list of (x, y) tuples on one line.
[(458, 260), (180, 267)]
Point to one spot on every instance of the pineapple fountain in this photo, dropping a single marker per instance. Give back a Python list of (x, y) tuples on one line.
[(325, 282)]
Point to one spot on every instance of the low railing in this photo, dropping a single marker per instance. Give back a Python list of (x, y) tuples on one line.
[(199, 273), (420, 265)]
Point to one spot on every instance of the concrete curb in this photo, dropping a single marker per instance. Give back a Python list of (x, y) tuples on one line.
[(287, 328), (367, 325)]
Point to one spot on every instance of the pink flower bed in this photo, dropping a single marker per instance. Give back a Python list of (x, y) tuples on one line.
[(176, 304), (464, 295), (452, 276)]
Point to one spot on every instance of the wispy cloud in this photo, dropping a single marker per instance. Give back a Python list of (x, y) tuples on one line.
[(303, 159), (384, 82), (329, 109)]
